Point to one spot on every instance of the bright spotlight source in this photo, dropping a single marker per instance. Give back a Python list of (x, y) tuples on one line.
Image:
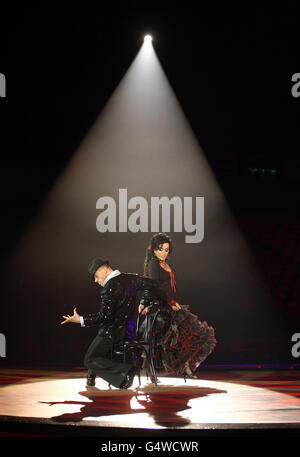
[(148, 38)]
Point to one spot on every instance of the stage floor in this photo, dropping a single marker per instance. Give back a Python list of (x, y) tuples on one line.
[(58, 402)]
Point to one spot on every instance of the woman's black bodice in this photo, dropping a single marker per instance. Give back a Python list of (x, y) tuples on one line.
[(166, 280)]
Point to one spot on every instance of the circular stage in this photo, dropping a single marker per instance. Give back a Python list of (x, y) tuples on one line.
[(172, 404)]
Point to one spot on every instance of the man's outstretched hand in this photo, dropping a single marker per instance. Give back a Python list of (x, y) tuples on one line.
[(75, 318)]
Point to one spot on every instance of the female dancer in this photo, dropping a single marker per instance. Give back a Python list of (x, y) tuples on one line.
[(180, 341)]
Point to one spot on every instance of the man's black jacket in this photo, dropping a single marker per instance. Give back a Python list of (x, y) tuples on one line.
[(118, 302)]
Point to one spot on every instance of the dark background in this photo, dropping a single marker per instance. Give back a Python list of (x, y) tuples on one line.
[(231, 69)]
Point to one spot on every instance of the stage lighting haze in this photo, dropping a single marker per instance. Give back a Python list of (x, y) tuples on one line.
[(141, 142)]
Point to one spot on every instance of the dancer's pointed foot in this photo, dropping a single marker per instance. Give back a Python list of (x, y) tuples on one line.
[(187, 372), (153, 379)]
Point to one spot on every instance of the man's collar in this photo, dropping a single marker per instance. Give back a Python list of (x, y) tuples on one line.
[(111, 275)]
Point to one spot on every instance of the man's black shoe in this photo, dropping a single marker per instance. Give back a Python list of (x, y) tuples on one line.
[(128, 381), (90, 378)]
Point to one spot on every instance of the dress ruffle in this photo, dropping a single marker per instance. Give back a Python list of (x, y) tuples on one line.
[(179, 337)]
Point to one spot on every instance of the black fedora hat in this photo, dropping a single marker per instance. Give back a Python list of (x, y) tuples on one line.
[(95, 264)]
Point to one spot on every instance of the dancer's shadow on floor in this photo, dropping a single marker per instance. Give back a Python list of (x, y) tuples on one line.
[(162, 403)]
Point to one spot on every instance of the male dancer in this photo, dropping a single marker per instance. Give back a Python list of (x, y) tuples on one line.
[(117, 304)]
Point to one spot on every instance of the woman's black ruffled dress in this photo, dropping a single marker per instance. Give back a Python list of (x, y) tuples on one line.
[(177, 336)]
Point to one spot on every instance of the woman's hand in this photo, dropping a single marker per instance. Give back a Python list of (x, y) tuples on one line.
[(75, 318), (176, 307), (141, 307), (143, 310)]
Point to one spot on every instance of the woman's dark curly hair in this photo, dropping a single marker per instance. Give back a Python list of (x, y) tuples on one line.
[(155, 242)]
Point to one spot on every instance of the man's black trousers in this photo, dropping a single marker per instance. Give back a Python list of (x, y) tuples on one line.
[(98, 359)]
